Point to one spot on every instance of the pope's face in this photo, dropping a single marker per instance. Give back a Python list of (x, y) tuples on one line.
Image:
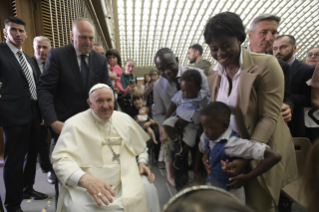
[(101, 101)]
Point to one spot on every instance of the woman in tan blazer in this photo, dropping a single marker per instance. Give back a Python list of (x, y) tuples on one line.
[(252, 85)]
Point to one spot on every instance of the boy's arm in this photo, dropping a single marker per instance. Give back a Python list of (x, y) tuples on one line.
[(271, 159), (170, 110)]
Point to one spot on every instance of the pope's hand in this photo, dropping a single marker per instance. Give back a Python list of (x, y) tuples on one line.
[(95, 186), (146, 171), (57, 126)]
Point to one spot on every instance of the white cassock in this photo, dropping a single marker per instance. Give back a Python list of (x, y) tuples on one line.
[(82, 148)]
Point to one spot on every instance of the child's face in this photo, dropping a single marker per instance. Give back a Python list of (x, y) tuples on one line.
[(142, 111), (147, 78), (189, 89), (112, 60), (213, 128)]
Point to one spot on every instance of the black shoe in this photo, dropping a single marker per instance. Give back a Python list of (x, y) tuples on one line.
[(178, 162), (51, 177), (35, 195), (284, 204), (18, 210)]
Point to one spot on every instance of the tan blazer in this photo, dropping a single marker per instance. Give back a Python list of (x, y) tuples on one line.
[(258, 118)]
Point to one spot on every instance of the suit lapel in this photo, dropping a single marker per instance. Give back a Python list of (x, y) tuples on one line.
[(246, 81), (213, 81), (91, 73), (75, 66), (37, 68), (294, 68), (12, 57)]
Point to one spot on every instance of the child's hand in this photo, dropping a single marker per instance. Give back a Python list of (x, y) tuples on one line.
[(206, 163), (239, 181)]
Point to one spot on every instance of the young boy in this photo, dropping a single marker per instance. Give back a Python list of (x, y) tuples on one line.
[(187, 102), (221, 144)]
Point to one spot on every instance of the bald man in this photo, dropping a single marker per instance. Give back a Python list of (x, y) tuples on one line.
[(97, 47), (69, 73)]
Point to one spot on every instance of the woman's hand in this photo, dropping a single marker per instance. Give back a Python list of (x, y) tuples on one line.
[(234, 167), (238, 181), (117, 90)]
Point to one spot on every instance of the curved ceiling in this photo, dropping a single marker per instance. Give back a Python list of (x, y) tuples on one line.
[(144, 26)]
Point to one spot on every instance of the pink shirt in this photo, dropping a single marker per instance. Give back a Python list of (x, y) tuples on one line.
[(117, 69)]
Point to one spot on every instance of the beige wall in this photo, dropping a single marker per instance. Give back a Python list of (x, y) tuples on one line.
[(139, 72)]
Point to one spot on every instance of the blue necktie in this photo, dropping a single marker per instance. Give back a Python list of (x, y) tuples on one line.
[(84, 71)]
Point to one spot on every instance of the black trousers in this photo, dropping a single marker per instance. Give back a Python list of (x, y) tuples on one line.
[(20, 157), (43, 153), (54, 139)]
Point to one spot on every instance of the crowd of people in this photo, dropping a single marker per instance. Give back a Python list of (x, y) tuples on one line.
[(231, 123)]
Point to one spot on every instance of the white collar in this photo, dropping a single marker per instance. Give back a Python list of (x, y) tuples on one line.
[(100, 121), (225, 135), (78, 53), (38, 60), (13, 48)]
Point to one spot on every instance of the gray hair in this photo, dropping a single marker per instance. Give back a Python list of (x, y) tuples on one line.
[(264, 17), (42, 38), (75, 22)]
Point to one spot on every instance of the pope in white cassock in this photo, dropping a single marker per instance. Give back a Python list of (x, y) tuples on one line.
[(95, 159)]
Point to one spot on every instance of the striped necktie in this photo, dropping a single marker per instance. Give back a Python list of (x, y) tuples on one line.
[(32, 87)]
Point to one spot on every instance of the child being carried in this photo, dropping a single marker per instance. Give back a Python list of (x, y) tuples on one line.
[(187, 102)]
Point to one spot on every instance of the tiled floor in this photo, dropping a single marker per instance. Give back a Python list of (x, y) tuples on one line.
[(165, 191)]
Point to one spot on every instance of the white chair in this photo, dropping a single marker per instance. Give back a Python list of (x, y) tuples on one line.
[(294, 190)]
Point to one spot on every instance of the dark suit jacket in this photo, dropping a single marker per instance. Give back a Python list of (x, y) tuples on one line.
[(287, 95), (15, 106), (36, 65), (301, 95), (61, 90)]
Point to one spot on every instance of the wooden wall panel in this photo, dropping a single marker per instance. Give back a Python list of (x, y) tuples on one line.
[(5, 11)]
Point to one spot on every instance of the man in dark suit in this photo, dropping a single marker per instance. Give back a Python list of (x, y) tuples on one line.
[(262, 34), (41, 46), (284, 48), (20, 116), (69, 73)]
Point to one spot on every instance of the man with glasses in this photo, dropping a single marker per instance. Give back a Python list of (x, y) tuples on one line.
[(285, 48)]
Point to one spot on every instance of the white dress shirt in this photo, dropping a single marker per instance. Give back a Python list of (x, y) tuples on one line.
[(236, 147), (223, 91), (78, 57), (40, 64)]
